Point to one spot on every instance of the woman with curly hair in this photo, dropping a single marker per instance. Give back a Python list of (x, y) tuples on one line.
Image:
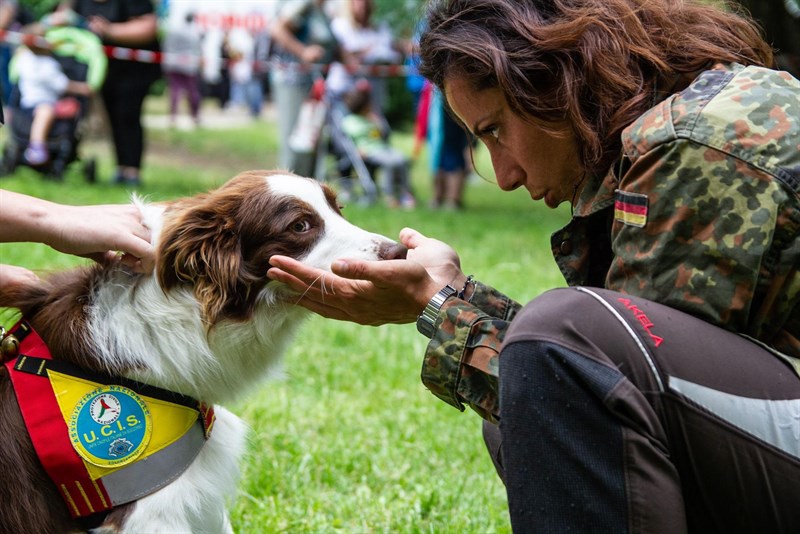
[(660, 391)]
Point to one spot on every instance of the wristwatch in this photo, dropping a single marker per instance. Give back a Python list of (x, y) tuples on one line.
[(426, 321)]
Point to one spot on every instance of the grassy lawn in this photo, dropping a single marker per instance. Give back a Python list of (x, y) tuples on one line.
[(347, 439)]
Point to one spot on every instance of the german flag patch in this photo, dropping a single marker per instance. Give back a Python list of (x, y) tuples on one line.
[(630, 208)]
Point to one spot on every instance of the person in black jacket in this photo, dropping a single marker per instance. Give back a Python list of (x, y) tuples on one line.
[(128, 24)]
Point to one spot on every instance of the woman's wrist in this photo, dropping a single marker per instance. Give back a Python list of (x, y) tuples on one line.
[(426, 321), (424, 297), (461, 287), (467, 290), (458, 283)]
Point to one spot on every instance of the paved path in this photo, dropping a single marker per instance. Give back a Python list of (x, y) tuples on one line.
[(211, 116)]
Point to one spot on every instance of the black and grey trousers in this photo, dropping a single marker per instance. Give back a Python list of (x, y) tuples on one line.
[(622, 415)]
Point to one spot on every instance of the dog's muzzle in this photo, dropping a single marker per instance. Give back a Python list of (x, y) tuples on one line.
[(392, 251)]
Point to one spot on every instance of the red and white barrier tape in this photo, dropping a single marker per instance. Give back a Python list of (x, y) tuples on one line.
[(150, 56)]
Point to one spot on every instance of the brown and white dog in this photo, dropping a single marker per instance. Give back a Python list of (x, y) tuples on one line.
[(207, 324)]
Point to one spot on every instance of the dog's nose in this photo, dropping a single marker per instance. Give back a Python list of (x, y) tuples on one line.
[(392, 251)]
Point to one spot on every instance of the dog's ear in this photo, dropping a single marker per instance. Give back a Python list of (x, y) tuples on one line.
[(27, 295), (201, 248)]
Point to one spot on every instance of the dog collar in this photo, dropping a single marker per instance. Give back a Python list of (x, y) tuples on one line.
[(91, 431)]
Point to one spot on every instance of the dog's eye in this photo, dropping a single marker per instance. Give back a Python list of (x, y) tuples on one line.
[(301, 226)]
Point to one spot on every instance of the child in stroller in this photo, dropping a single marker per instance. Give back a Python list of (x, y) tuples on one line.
[(373, 146), (54, 74)]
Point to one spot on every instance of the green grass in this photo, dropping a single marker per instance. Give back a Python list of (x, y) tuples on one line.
[(348, 440)]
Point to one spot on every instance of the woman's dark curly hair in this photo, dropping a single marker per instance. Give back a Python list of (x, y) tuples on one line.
[(593, 64)]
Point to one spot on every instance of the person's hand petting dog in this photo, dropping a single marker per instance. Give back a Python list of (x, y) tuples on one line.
[(374, 292), (13, 275), (101, 232)]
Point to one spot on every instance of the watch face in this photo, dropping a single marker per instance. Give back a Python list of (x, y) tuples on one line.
[(424, 327)]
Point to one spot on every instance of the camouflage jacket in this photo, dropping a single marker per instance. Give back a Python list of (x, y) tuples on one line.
[(701, 213)]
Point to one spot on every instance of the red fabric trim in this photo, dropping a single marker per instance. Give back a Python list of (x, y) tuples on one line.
[(630, 208), (208, 417), (50, 435)]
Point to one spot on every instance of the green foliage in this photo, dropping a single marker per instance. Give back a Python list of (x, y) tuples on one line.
[(400, 15), (347, 439), (399, 107), (37, 8)]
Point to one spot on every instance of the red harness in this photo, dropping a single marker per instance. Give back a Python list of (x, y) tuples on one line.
[(49, 432)]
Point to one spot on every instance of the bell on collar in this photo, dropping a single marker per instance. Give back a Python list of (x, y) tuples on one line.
[(9, 346)]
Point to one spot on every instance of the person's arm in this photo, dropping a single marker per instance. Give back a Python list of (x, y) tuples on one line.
[(11, 275), (8, 11), (460, 365), (78, 88), (97, 232), (705, 238), (137, 31), (282, 31)]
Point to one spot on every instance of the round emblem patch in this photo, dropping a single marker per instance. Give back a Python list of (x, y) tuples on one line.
[(110, 427)]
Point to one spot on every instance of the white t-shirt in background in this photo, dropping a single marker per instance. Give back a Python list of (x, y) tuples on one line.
[(41, 80)]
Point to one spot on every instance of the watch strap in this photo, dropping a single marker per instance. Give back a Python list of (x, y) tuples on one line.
[(426, 322)]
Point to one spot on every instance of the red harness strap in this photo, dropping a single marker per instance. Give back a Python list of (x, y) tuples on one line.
[(49, 432)]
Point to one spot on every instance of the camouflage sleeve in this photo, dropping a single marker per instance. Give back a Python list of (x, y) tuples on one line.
[(460, 365), (699, 238)]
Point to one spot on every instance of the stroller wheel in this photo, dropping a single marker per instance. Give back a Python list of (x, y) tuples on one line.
[(90, 171), (56, 171), (9, 162), (6, 168)]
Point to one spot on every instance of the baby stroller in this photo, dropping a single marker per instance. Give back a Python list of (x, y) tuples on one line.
[(334, 156), (82, 58)]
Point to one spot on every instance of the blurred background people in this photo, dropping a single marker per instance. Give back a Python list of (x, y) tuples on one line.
[(365, 128), (261, 67), (41, 83), (246, 89), (182, 49), (8, 16), (446, 140), (302, 35), (214, 77), (448, 143), (363, 43), (131, 24)]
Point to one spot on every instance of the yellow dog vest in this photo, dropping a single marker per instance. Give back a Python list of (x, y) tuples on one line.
[(92, 432)]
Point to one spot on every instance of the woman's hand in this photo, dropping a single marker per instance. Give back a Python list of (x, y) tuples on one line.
[(374, 292)]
